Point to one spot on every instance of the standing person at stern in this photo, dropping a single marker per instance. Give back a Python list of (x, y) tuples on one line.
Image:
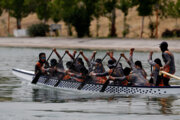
[(168, 59)]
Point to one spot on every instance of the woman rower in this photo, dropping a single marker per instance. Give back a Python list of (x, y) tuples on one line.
[(136, 77), (156, 64), (80, 71), (96, 67), (116, 73)]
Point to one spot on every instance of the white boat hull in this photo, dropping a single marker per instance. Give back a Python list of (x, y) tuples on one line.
[(111, 89)]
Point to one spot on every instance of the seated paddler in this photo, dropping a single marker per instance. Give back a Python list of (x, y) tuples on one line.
[(136, 75), (95, 66), (116, 73), (42, 64)]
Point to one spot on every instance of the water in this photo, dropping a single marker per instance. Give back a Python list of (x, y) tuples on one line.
[(19, 100)]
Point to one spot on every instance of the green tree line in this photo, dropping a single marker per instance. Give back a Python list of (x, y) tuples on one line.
[(80, 13)]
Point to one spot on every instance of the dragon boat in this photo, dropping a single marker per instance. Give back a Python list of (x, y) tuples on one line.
[(93, 87)]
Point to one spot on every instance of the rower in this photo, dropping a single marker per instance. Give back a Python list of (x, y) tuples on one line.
[(70, 68), (168, 59), (70, 55), (156, 64), (78, 76), (139, 66), (60, 61), (39, 67), (137, 75), (89, 61), (78, 62), (80, 70), (119, 66), (116, 72), (96, 67)]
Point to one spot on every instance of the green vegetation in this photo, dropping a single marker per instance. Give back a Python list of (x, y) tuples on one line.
[(174, 10), (124, 6), (38, 30), (80, 13), (17, 9)]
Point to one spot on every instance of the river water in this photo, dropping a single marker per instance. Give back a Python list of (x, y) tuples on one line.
[(19, 100)]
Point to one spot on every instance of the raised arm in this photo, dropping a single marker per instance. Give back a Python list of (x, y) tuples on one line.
[(99, 74), (71, 56), (131, 54), (85, 58), (150, 59), (58, 55), (127, 60), (118, 78), (74, 53), (110, 54), (93, 55)]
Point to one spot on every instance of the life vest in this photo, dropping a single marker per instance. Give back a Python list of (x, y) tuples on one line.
[(100, 69), (79, 80), (160, 79), (167, 67), (101, 80), (66, 77), (117, 73), (161, 83), (125, 82), (39, 65)]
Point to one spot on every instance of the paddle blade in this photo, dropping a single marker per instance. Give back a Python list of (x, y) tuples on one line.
[(36, 78), (81, 85), (105, 86)]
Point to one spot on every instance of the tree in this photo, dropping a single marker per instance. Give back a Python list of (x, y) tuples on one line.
[(110, 13), (1, 8), (161, 9), (78, 13), (145, 8), (99, 11), (65, 11), (124, 6), (174, 10), (43, 9), (55, 11), (18, 9)]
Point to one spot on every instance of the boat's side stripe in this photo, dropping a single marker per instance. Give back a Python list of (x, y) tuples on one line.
[(23, 72)]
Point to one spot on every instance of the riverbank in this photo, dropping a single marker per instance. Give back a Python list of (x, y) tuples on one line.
[(141, 45)]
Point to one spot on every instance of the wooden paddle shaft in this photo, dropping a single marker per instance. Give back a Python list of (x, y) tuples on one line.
[(170, 75)]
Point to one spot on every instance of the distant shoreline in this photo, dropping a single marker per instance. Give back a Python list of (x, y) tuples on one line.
[(141, 45)]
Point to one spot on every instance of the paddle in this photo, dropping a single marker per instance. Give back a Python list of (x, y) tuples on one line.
[(173, 76), (107, 81), (76, 58), (63, 56), (151, 79), (60, 79), (104, 56), (36, 78), (84, 82)]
